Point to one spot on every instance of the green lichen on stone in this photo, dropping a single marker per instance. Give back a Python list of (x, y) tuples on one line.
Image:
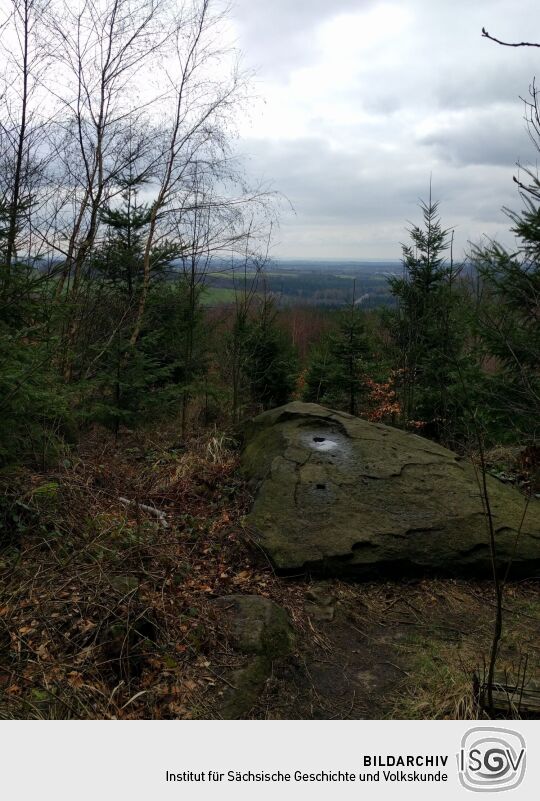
[(339, 495), (247, 685), (260, 629)]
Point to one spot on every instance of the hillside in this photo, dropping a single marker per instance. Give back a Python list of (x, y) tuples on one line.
[(107, 609)]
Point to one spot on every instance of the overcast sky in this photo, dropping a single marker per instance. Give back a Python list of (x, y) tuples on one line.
[(360, 101)]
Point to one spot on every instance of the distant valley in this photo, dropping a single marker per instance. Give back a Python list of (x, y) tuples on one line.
[(321, 283)]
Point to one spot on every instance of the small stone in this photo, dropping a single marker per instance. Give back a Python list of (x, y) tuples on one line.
[(322, 614), (258, 625), (321, 595), (259, 628)]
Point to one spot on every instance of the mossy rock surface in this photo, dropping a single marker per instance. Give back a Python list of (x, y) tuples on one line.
[(260, 629), (339, 495), (256, 625)]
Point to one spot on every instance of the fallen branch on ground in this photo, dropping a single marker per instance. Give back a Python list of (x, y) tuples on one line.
[(151, 510)]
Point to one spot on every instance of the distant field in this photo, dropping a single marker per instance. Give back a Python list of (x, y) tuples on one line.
[(215, 295), (239, 276), (321, 284)]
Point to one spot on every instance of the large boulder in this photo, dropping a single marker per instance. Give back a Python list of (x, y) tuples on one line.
[(339, 495)]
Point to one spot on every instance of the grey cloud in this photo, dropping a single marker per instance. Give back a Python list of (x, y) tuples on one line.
[(349, 205), (493, 136), (452, 87), (329, 185), (357, 179), (277, 35), (482, 84)]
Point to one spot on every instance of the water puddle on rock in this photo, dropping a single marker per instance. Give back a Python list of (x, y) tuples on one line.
[(331, 444), (323, 444)]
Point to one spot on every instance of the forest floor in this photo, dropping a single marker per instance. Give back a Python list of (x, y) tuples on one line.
[(106, 608)]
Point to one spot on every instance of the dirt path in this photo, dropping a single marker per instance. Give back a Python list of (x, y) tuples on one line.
[(398, 650)]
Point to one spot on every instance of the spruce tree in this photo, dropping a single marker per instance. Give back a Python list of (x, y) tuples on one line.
[(337, 372), (127, 381), (269, 358), (426, 334), (349, 350), (509, 316), (33, 405)]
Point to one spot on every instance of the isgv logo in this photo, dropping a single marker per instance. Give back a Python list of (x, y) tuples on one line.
[(491, 760)]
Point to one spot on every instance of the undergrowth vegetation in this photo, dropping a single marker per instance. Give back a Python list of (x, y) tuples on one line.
[(102, 607), (106, 606)]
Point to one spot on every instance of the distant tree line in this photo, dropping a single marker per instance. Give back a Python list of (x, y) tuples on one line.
[(119, 199)]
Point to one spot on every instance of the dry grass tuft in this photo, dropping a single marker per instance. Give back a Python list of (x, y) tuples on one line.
[(103, 609)]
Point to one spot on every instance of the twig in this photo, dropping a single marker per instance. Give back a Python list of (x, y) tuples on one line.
[(151, 510), (486, 35)]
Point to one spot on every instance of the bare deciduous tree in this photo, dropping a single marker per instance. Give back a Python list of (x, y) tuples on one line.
[(22, 127)]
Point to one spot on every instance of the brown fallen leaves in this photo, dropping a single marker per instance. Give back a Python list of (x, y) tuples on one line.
[(104, 613)]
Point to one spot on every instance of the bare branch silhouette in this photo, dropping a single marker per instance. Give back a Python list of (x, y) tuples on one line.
[(487, 35)]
